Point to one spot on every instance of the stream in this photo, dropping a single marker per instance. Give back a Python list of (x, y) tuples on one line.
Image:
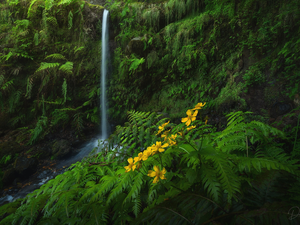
[(84, 151)]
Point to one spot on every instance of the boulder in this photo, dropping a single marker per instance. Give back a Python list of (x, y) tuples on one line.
[(61, 148), (280, 108), (135, 46), (25, 166)]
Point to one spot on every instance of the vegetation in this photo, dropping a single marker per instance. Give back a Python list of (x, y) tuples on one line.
[(161, 172), (199, 177)]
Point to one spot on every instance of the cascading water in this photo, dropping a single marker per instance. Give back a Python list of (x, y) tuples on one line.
[(103, 73)]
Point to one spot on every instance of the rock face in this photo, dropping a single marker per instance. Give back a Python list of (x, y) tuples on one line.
[(25, 166), (61, 148)]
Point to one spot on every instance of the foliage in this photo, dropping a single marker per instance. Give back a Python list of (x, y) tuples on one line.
[(202, 184), (51, 34)]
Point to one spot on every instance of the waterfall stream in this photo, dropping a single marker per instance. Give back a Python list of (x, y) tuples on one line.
[(103, 73)]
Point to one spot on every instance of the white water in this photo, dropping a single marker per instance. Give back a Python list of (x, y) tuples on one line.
[(103, 73)]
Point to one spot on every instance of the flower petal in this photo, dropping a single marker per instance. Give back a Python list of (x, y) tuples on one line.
[(183, 120), (165, 145), (161, 150), (156, 169), (188, 122), (133, 167), (151, 173)]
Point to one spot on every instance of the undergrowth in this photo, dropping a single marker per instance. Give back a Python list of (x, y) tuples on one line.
[(200, 177)]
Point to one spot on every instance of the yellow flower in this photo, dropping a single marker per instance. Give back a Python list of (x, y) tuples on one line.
[(147, 153), (173, 136), (180, 133), (157, 174), (138, 158), (189, 117), (189, 128), (158, 147), (162, 127), (205, 122), (130, 166), (165, 135), (199, 105), (171, 142)]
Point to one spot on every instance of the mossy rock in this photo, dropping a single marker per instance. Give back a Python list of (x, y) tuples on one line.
[(61, 148)]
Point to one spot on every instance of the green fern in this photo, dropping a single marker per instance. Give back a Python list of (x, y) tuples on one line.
[(29, 9), (67, 67), (52, 20), (70, 20), (38, 130), (29, 87), (46, 66), (55, 56), (64, 90)]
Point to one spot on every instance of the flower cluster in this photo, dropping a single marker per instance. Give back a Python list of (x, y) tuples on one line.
[(192, 116), (136, 163)]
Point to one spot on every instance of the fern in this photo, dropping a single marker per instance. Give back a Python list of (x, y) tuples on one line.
[(29, 9), (36, 39), (78, 122), (62, 2), (64, 90), (70, 20), (36, 133), (52, 20), (55, 56), (67, 67), (46, 66)]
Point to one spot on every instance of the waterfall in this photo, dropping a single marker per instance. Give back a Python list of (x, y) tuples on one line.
[(103, 73)]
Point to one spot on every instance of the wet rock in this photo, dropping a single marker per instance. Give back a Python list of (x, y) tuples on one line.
[(25, 166), (9, 176), (61, 148), (44, 174), (135, 46)]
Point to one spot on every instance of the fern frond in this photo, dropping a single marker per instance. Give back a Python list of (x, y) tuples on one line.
[(29, 9), (62, 2), (38, 129), (210, 181), (52, 20), (64, 90), (67, 67), (46, 66), (135, 188), (70, 20), (107, 182), (55, 56), (228, 179)]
